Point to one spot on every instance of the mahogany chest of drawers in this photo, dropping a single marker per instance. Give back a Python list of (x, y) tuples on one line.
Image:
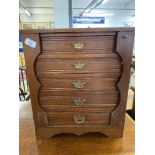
[(78, 79)]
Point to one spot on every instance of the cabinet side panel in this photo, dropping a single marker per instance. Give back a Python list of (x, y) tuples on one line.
[(31, 51), (124, 47)]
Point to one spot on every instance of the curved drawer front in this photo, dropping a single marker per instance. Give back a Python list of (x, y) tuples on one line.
[(78, 43), (79, 100), (81, 84), (88, 103), (77, 119), (73, 66)]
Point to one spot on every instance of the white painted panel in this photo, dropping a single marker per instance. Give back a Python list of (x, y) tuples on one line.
[(37, 18), (61, 15), (37, 3), (37, 11)]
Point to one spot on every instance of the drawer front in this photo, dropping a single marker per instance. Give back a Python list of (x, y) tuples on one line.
[(74, 84), (78, 43), (77, 119), (80, 100), (76, 66), (79, 103)]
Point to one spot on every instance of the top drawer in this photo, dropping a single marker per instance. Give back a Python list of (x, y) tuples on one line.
[(78, 43)]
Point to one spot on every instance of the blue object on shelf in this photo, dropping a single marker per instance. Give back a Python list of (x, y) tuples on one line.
[(88, 20)]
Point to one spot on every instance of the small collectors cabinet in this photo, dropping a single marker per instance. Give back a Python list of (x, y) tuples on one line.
[(78, 79)]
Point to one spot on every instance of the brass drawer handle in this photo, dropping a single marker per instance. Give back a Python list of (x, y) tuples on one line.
[(78, 45), (79, 84), (79, 101), (79, 118), (79, 66)]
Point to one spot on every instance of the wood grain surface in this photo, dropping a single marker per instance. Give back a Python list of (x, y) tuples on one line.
[(68, 144)]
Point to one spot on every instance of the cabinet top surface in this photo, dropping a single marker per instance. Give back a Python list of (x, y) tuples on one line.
[(72, 30)]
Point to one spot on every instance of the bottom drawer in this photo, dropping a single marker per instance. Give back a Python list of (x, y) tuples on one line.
[(76, 119)]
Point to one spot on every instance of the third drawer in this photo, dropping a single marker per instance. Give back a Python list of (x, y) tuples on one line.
[(79, 84)]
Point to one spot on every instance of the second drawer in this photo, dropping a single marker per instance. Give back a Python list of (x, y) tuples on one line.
[(79, 66)]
